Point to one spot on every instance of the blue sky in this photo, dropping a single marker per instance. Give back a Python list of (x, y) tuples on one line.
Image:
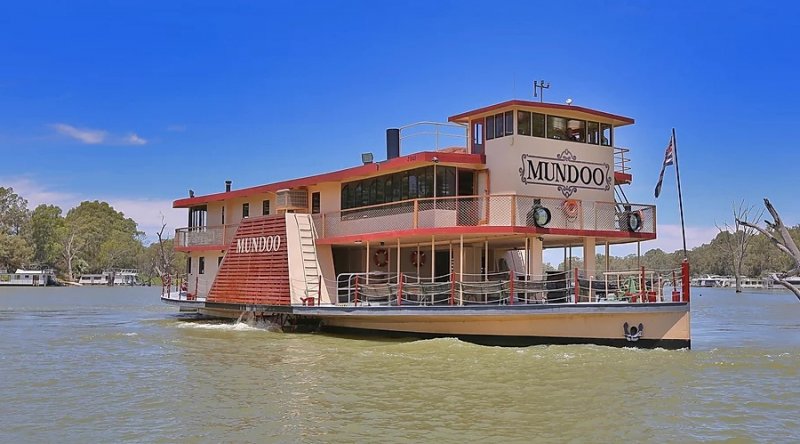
[(136, 102)]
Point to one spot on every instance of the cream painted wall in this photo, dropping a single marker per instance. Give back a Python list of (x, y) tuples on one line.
[(504, 160)]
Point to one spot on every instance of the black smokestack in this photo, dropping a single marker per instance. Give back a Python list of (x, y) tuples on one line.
[(392, 143), (227, 186)]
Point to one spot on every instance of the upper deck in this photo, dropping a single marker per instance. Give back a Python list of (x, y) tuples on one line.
[(511, 161)]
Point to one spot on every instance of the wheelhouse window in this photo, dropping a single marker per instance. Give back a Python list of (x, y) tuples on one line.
[(265, 208), (524, 123), (198, 216), (593, 133), (499, 126), (556, 128), (537, 124), (576, 130), (606, 135), (245, 210), (490, 128), (509, 118), (315, 203)]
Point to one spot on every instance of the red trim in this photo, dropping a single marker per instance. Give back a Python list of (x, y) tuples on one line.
[(483, 229), (192, 248), (399, 163), (622, 177), (464, 117)]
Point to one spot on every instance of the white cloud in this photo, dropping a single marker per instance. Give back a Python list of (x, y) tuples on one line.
[(97, 136), (85, 135), (134, 139)]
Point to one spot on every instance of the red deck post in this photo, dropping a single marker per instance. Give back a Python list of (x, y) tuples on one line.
[(685, 279), (511, 287), (355, 298), (452, 290), (577, 286), (400, 290), (642, 290)]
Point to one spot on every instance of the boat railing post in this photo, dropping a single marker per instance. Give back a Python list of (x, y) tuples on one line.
[(400, 290), (513, 210), (511, 287), (416, 213), (590, 287), (452, 289), (355, 297), (643, 281), (577, 285), (685, 277)]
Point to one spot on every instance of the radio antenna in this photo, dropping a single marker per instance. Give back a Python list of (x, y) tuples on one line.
[(540, 85)]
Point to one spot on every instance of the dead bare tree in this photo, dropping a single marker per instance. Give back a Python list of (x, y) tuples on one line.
[(740, 234), (164, 263), (779, 235)]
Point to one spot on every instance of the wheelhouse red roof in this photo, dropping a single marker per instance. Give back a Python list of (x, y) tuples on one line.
[(545, 107), (398, 163)]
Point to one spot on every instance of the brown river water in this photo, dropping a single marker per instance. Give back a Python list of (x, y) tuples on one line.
[(115, 365)]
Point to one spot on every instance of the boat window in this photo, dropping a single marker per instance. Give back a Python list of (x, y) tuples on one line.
[(593, 133), (576, 130), (490, 128), (189, 265), (446, 181), (265, 208), (606, 135), (201, 265), (412, 184), (509, 123), (198, 216), (499, 127), (538, 124), (315, 203), (556, 127), (524, 123), (245, 210)]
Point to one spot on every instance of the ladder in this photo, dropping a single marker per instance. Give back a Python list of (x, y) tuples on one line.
[(308, 250)]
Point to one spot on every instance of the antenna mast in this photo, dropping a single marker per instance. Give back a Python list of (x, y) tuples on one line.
[(540, 85)]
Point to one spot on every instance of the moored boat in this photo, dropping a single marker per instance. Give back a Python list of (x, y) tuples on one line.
[(447, 241)]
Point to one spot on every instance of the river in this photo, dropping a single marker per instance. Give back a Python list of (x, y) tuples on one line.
[(115, 365)]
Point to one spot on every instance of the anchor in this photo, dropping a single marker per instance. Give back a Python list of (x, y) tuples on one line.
[(633, 333)]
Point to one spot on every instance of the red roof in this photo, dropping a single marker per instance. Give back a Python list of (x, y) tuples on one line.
[(613, 118), (398, 163)]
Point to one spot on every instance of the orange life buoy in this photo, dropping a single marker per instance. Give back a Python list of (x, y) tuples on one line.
[(571, 207), (418, 260), (381, 257)]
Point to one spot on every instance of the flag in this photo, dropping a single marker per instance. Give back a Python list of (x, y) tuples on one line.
[(669, 159)]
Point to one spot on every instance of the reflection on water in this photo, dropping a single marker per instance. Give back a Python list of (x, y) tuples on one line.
[(92, 365)]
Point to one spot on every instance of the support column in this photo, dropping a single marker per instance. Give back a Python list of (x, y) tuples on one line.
[(608, 258), (461, 269), (486, 260), (433, 259), (536, 263), (398, 260), (366, 267), (589, 256)]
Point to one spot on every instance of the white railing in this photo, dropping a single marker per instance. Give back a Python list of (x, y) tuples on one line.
[(205, 236), (509, 288), (493, 210), (417, 136), (621, 160)]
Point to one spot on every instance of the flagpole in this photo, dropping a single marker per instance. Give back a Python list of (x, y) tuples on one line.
[(680, 196)]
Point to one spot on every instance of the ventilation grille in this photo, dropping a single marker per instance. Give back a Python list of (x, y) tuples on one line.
[(292, 199)]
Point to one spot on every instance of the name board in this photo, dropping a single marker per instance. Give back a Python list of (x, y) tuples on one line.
[(566, 172), (259, 244)]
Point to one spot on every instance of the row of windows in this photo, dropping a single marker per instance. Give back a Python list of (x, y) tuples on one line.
[(411, 184), (551, 127), (201, 264)]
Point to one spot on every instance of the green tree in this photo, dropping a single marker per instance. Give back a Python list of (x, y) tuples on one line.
[(15, 252), (14, 212), (42, 231), (105, 237)]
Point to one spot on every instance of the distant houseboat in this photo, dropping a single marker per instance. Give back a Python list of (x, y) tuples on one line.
[(119, 277), (446, 241), (29, 278)]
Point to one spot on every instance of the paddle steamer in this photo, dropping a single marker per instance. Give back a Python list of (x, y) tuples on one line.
[(445, 238)]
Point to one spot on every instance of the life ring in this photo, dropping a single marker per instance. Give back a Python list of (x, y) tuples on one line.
[(571, 207), (381, 257), (418, 260), (635, 219)]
